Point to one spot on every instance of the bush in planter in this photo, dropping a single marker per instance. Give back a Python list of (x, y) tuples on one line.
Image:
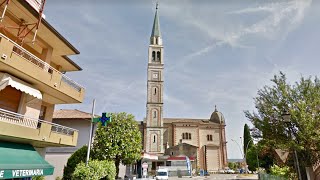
[(77, 157), (95, 170)]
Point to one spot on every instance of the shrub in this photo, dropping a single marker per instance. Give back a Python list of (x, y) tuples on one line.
[(77, 157), (95, 170), (280, 171)]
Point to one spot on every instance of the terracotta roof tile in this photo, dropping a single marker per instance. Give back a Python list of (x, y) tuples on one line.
[(70, 114)]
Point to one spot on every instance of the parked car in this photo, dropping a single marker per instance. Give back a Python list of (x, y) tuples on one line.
[(162, 174), (230, 171)]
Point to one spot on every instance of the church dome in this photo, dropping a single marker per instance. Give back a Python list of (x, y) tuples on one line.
[(217, 117)]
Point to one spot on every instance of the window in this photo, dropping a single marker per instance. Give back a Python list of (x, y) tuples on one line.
[(209, 137), (155, 91), (186, 135), (156, 40), (153, 55), (154, 138), (154, 114), (158, 56)]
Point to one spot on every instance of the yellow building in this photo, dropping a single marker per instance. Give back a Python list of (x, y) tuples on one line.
[(33, 66)]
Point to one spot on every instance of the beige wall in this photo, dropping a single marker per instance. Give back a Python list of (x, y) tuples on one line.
[(58, 160), (29, 106), (213, 159), (187, 129)]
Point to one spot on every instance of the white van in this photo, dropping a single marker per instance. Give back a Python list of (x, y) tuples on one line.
[(162, 174)]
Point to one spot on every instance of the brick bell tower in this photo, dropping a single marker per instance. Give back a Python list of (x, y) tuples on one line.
[(154, 117)]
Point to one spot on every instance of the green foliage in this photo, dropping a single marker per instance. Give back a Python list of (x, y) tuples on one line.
[(120, 140), (232, 165), (280, 171), (79, 156), (95, 170), (38, 178), (266, 155), (302, 101), (247, 139), (252, 158)]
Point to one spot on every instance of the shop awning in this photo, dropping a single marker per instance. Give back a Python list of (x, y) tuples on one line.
[(8, 80), (21, 160)]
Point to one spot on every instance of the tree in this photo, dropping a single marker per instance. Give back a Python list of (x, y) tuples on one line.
[(76, 158), (120, 140), (247, 139), (302, 101), (95, 170)]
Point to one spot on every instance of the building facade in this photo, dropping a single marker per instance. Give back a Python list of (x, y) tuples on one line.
[(202, 140), (33, 67)]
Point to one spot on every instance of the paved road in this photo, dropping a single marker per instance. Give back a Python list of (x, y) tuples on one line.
[(217, 176)]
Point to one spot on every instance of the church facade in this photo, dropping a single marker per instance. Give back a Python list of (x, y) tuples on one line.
[(203, 141)]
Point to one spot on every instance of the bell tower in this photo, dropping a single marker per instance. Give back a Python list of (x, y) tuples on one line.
[(154, 117)]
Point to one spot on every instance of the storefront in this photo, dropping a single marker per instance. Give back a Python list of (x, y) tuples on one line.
[(21, 161)]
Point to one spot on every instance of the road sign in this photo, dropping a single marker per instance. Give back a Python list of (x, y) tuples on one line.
[(283, 154), (145, 172), (145, 165)]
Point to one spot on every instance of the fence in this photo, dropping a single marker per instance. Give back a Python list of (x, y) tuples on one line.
[(270, 177)]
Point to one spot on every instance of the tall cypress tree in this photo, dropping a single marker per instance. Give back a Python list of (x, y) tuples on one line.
[(246, 138)]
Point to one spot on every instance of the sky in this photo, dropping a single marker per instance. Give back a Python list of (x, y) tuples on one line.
[(215, 53)]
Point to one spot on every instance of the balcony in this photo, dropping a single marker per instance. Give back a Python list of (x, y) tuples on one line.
[(19, 128), (18, 61)]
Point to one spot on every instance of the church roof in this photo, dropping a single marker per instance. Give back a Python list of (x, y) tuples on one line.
[(186, 120), (217, 117), (156, 25)]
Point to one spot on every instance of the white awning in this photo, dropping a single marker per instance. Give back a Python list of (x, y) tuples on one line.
[(8, 80)]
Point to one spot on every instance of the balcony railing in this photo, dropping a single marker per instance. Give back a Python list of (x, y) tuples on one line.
[(19, 119), (26, 55)]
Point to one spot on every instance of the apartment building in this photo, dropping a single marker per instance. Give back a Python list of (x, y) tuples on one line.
[(33, 66)]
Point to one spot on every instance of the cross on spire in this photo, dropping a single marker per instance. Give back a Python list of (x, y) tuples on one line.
[(157, 4)]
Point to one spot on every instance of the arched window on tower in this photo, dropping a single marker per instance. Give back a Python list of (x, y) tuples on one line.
[(155, 91), (153, 55), (154, 138), (154, 114), (157, 41), (158, 55)]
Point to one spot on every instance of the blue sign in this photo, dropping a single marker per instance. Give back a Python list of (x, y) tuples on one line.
[(188, 165), (104, 119)]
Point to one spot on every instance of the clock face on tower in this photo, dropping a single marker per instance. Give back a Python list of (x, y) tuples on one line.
[(155, 75)]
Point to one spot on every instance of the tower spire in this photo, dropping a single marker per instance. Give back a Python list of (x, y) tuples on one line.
[(156, 24)]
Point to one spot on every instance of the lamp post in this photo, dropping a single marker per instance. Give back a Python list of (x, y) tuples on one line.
[(240, 151), (287, 119)]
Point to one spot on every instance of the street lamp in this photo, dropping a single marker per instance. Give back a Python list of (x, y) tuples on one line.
[(241, 151), (287, 119)]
